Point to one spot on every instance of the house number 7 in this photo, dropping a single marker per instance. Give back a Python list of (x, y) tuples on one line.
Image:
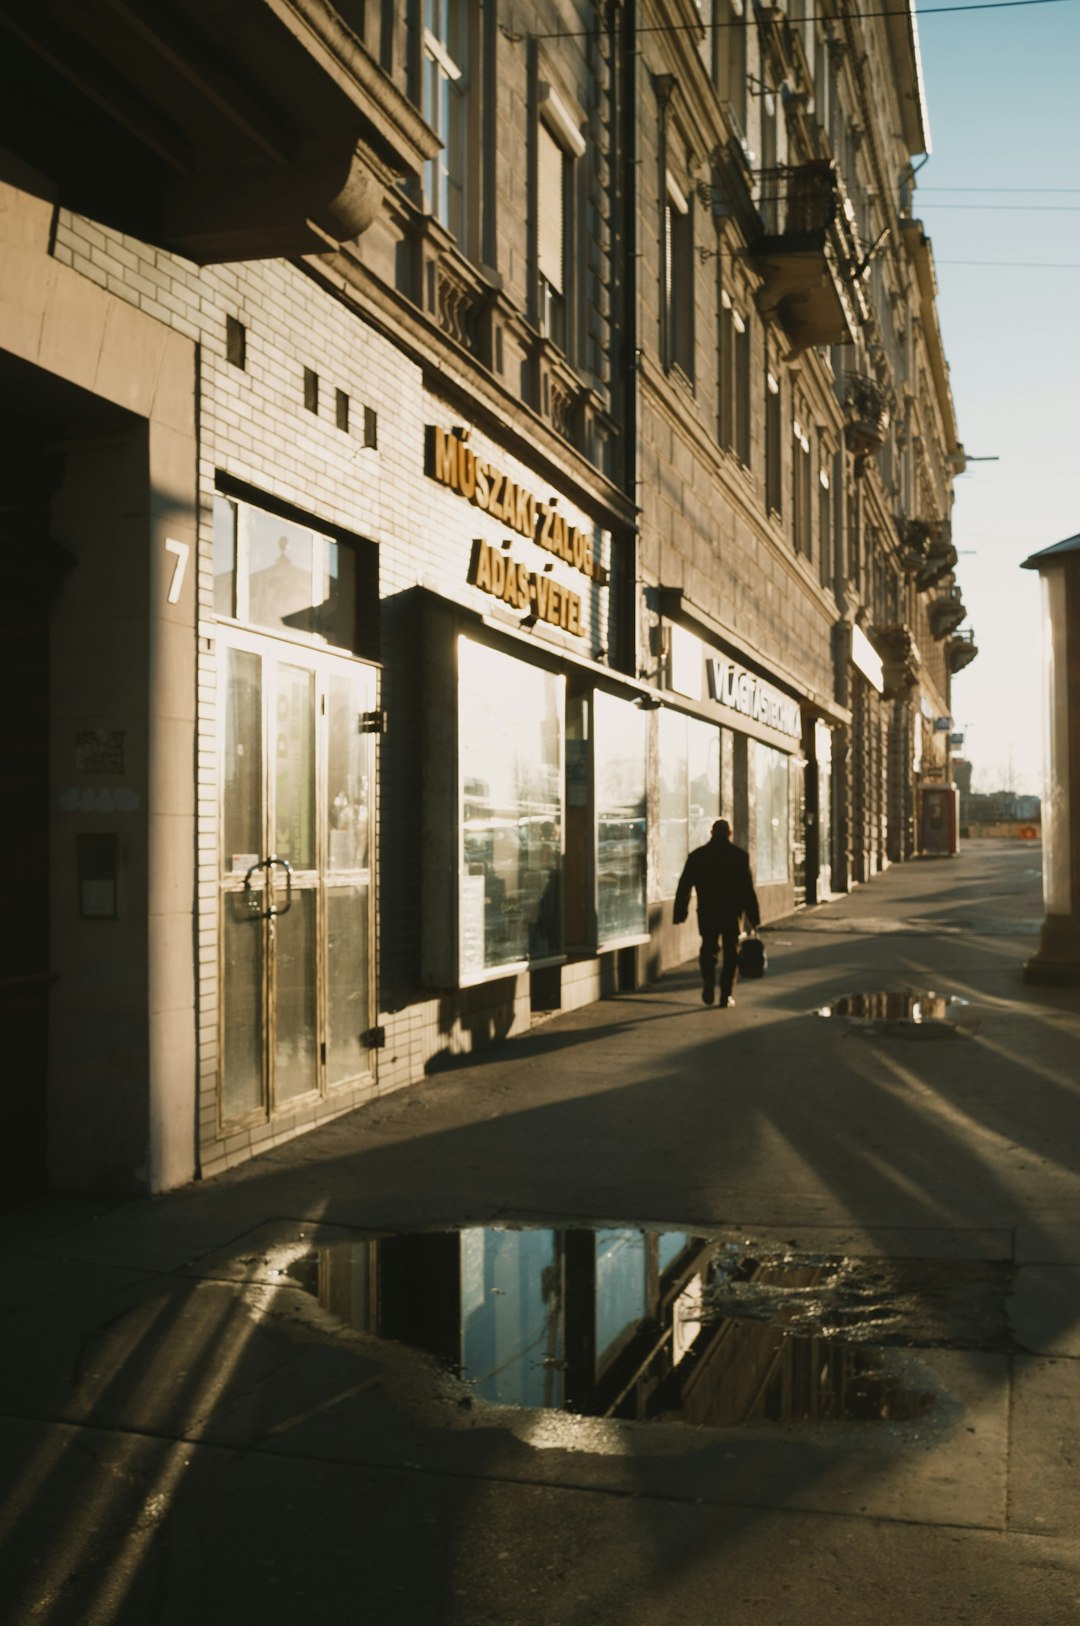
[(181, 550)]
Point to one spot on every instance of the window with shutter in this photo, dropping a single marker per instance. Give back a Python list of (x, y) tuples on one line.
[(550, 225), (559, 144), (678, 272), (825, 524), (802, 489), (741, 342), (773, 473), (551, 185)]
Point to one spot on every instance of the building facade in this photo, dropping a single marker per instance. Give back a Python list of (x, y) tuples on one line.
[(452, 459)]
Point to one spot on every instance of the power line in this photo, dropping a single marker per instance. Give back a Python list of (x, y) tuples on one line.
[(1072, 190), (1014, 208), (1025, 265), (740, 22), (935, 11)]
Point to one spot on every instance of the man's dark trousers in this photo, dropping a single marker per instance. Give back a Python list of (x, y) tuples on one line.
[(716, 930)]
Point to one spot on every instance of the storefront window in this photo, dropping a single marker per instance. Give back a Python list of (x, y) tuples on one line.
[(673, 808), (510, 735), (689, 791), (619, 769), (771, 814), (703, 766)]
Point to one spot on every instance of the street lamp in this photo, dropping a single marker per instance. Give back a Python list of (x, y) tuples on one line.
[(1057, 958)]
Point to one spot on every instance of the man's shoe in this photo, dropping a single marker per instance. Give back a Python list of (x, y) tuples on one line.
[(726, 999), (708, 993)]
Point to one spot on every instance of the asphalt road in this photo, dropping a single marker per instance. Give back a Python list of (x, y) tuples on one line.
[(188, 1437)]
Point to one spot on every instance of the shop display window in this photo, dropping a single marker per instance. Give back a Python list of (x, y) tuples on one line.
[(619, 778), (772, 817), (510, 741), (673, 799), (703, 776), (689, 791)]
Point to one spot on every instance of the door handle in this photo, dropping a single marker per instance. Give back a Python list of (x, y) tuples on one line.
[(254, 912), (272, 911)]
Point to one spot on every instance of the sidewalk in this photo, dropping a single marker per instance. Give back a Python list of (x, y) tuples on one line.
[(188, 1438)]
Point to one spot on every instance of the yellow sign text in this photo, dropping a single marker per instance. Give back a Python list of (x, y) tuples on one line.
[(531, 591)]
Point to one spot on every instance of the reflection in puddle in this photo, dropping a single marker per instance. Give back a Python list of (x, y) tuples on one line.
[(901, 1007), (614, 1322)]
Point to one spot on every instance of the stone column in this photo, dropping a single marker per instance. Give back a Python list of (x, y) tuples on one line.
[(1057, 959)]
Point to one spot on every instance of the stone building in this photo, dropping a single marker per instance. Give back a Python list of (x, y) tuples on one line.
[(454, 453), (796, 437)]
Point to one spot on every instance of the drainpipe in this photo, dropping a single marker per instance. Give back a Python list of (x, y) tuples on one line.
[(626, 347)]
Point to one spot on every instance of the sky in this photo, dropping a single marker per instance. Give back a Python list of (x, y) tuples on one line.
[(1002, 184)]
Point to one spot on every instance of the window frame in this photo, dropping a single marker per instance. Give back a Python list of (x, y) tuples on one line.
[(471, 656), (802, 519), (555, 123), (444, 100), (733, 427), (732, 65), (233, 520), (743, 438), (677, 273), (606, 711), (695, 827), (242, 500), (774, 473), (771, 773), (826, 516)]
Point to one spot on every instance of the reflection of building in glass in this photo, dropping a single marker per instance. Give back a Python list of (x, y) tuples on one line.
[(279, 594), (620, 767), (510, 751)]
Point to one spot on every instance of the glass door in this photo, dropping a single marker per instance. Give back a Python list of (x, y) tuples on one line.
[(297, 784)]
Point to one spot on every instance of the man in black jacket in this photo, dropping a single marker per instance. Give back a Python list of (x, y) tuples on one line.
[(720, 874)]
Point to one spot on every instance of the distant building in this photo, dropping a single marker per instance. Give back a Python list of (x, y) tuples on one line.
[(1000, 807)]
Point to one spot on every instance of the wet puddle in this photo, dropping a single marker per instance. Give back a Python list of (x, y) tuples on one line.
[(904, 1013), (631, 1323)]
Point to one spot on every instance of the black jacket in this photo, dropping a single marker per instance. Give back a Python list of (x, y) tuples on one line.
[(720, 874)]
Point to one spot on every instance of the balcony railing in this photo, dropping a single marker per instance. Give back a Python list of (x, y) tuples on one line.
[(926, 550), (946, 613), (919, 538), (868, 413), (809, 254), (961, 650), (940, 560)]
